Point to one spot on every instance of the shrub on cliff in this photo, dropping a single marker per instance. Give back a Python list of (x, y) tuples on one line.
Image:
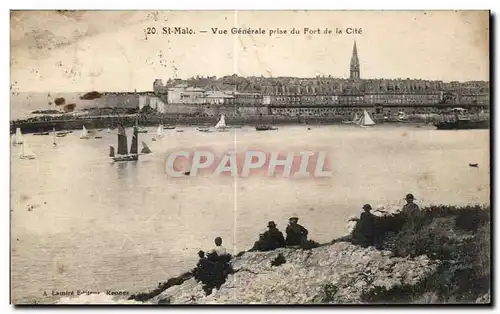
[(459, 236)]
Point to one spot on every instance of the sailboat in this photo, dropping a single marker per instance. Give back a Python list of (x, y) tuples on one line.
[(159, 132), (145, 149), (26, 152), (54, 144), (18, 138), (221, 125), (85, 134), (366, 120), (121, 153)]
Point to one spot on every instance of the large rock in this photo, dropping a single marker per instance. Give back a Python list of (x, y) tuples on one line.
[(336, 273)]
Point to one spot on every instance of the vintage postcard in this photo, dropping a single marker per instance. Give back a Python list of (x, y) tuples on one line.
[(250, 157)]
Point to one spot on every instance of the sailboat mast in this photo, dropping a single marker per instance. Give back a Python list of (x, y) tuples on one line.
[(122, 140), (135, 142)]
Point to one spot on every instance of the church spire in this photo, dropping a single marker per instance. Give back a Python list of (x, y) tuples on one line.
[(355, 73)]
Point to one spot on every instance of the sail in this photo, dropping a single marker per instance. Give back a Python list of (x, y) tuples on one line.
[(135, 143), (18, 139), (360, 120), (145, 149), (367, 120), (159, 132), (111, 151), (84, 133), (222, 122), (26, 151), (122, 141)]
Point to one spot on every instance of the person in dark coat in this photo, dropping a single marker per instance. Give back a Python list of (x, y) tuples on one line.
[(273, 237), (295, 233), (203, 271), (410, 209), (365, 228), (260, 245)]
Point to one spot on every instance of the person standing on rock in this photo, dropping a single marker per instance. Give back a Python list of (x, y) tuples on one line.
[(295, 233), (273, 237), (410, 209)]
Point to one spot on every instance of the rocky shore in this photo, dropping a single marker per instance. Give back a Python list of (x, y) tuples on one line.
[(442, 256), (336, 273)]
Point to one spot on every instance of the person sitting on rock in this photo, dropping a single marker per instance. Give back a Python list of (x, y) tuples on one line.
[(295, 233), (204, 268), (273, 237), (260, 245), (364, 231), (219, 250)]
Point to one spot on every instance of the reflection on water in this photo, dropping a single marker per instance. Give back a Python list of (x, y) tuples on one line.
[(101, 225)]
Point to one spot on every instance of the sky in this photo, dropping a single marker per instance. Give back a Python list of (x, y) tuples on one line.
[(79, 51)]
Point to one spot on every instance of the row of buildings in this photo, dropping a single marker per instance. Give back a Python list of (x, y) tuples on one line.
[(320, 95), (182, 94)]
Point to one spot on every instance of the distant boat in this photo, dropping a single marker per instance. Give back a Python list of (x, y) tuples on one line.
[(221, 124), (366, 120), (474, 165), (121, 153), (140, 129), (62, 134), (402, 116), (145, 149), (265, 128), (85, 134), (354, 120), (159, 131), (180, 131), (41, 133), (205, 130), (26, 152), (18, 138), (169, 127), (54, 144), (461, 124)]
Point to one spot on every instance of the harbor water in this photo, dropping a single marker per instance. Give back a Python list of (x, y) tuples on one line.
[(82, 222)]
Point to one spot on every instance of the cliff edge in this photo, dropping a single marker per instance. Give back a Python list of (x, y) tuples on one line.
[(442, 255)]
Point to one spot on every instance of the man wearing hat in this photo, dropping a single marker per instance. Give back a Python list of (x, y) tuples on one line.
[(410, 208), (273, 237), (364, 231), (295, 233)]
